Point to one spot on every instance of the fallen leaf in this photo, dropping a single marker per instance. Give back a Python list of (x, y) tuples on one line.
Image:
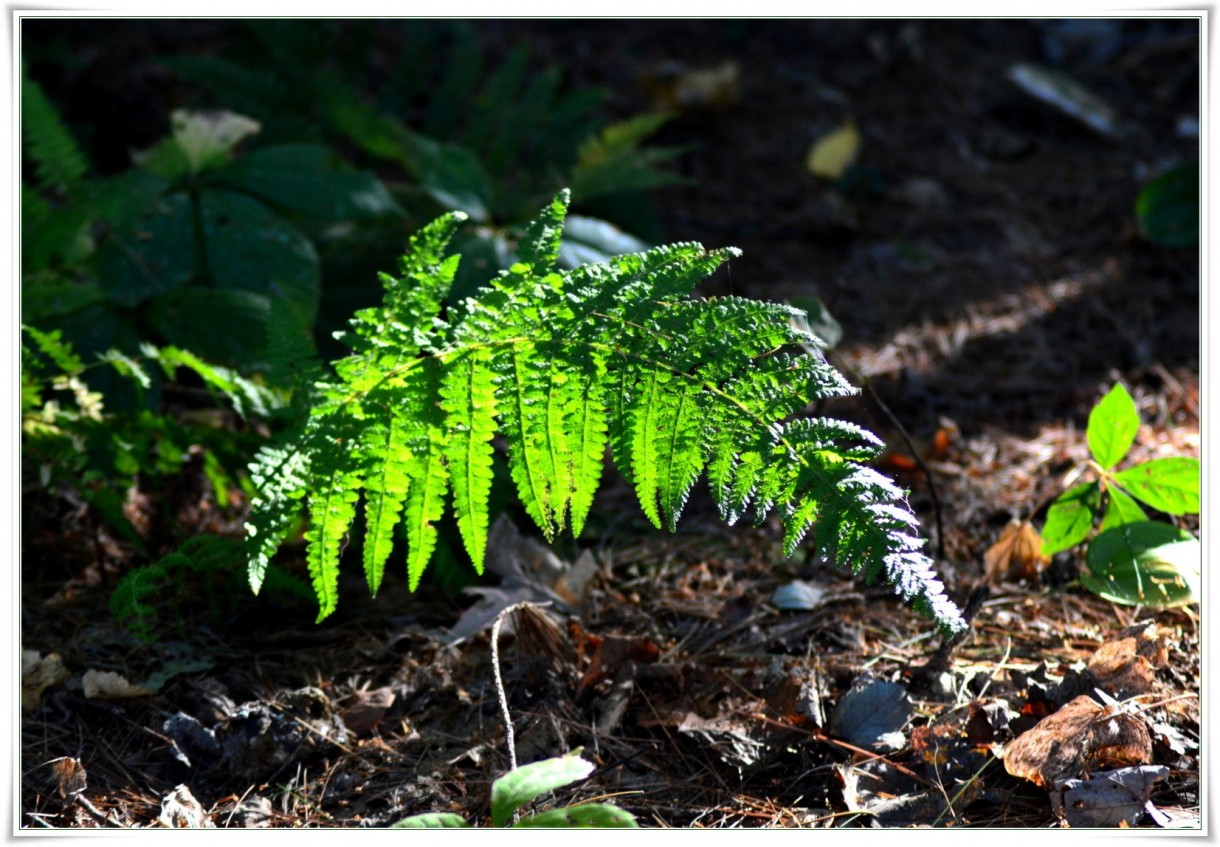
[(108, 685), (677, 87), (731, 740), (180, 810), (364, 709), (872, 714), (529, 573), (1017, 553), (1127, 666), (1081, 736), (833, 153), (70, 778), (1108, 798), (38, 673)]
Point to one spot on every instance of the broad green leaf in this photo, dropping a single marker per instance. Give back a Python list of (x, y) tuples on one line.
[(1168, 207), (1113, 424), (52, 298), (153, 255), (432, 820), (1169, 485), (1070, 518), (1145, 564), (1120, 509), (250, 247), (452, 175), (310, 180), (188, 317), (587, 816), (529, 782)]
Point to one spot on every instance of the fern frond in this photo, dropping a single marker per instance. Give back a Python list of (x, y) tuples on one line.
[(562, 364), (58, 162)]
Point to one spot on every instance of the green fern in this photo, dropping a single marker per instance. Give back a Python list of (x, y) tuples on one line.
[(58, 162), (563, 364)]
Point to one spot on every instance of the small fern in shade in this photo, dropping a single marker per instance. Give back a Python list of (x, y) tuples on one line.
[(562, 364)]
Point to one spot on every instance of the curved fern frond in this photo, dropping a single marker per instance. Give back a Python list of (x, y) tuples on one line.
[(58, 162), (562, 364)]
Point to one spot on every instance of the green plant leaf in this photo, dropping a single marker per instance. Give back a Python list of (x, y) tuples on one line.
[(189, 316), (432, 820), (251, 248), (1170, 485), (41, 301), (586, 816), (1120, 509), (1168, 207), (1070, 518), (529, 782), (1145, 564), (153, 255), (1113, 424), (310, 180), (452, 175)]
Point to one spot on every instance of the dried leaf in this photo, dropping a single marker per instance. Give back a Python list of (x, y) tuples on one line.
[(180, 810), (1109, 798), (833, 153), (1017, 552), (70, 778), (731, 740), (1127, 666), (678, 88), (529, 573), (872, 714), (1081, 736), (38, 673), (364, 709), (108, 685)]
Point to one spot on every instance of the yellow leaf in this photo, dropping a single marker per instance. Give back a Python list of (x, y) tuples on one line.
[(834, 152)]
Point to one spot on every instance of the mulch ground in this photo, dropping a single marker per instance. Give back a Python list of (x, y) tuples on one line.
[(991, 288)]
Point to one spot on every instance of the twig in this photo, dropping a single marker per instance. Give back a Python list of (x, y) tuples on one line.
[(510, 739)]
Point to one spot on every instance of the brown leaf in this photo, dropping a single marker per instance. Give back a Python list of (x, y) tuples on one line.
[(70, 778), (364, 709), (38, 673), (1079, 737), (1017, 552)]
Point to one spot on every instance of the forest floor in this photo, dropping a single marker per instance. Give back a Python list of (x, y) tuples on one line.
[(991, 283)]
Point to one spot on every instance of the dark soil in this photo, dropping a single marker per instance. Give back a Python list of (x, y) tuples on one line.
[(992, 283)]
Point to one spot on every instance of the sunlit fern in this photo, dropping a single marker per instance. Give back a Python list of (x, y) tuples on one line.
[(562, 364)]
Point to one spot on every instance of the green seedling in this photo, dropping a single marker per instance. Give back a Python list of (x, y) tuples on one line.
[(1131, 560), (525, 784)]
